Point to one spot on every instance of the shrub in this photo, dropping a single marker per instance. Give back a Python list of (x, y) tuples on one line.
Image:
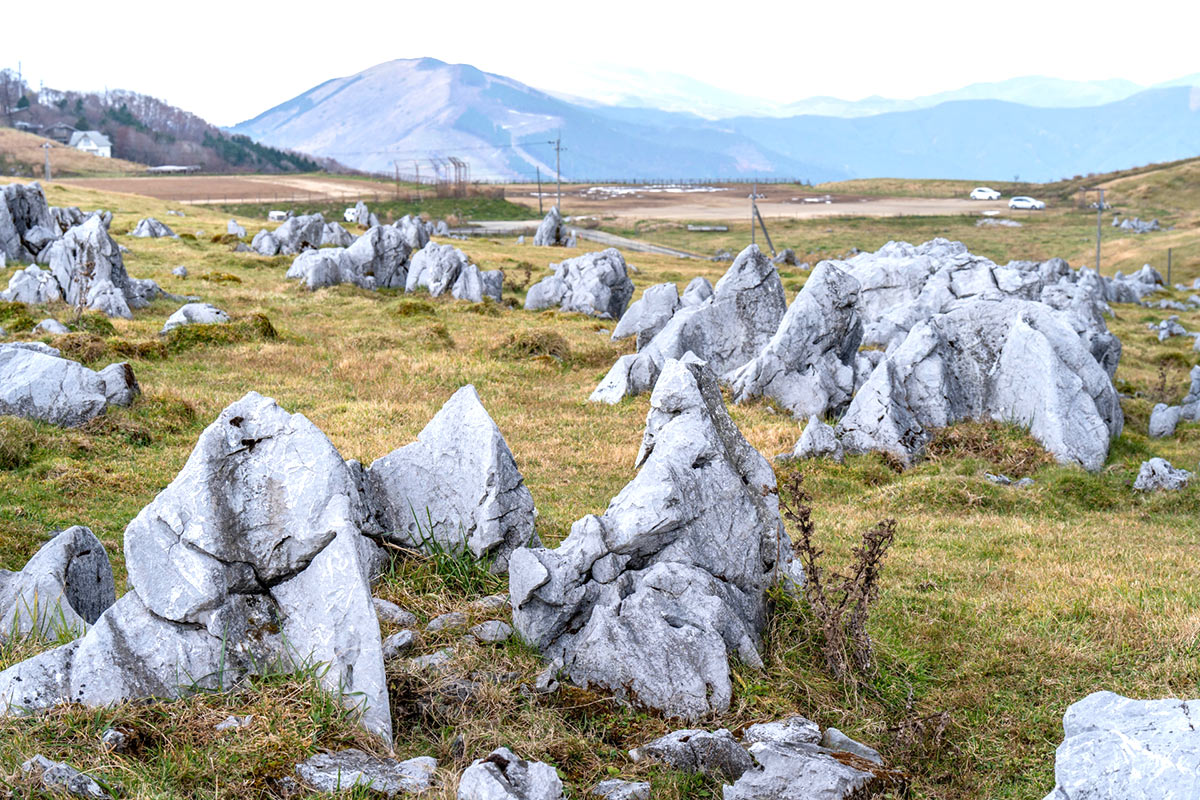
[(531, 344), (94, 322), (839, 602), (83, 347), (256, 327), (18, 440), (220, 277)]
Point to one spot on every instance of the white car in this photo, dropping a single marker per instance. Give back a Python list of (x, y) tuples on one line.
[(1026, 203), (984, 193)]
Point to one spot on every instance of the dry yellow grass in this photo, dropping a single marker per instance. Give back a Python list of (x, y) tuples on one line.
[(999, 606), (26, 149)]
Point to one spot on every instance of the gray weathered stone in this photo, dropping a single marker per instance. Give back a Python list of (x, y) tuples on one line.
[(696, 292), (250, 558), (835, 740), (504, 776), (297, 234), (1157, 474), (593, 283), (334, 234), (551, 232), (1190, 407), (443, 268), (715, 754), (493, 631), (348, 769), (150, 228), (38, 385), (58, 776), (1163, 420), (727, 330), (650, 599), (64, 588), (194, 314), (26, 224), (818, 441), (437, 661), (1114, 747), (1008, 360), (393, 614), (180, 271), (647, 316), (265, 244), (400, 643), (617, 789), (808, 365), (234, 229), (450, 621), (51, 327), (458, 485)]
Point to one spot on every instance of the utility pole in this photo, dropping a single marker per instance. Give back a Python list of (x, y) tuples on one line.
[(541, 213), (1099, 218), (396, 164), (558, 171), (753, 194), (46, 146), (417, 167)]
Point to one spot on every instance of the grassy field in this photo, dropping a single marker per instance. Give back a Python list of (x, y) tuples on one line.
[(23, 151), (455, 209), (999, 607)]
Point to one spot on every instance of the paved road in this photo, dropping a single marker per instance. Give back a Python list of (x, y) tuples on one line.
[(528, 227)]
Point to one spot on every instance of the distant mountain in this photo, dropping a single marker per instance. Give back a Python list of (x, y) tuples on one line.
[(423, 109)]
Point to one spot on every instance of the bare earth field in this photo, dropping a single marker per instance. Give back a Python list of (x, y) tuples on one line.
[(220, 189)]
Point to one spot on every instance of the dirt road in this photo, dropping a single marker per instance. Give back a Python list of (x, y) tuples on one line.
[(206, 189)]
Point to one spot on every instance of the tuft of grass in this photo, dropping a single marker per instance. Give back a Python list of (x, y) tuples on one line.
[(86, 348), (534, 343), (15, 316), (18, 441), (95, 323), (220, 277), (254, 328), (436, 335), (413, 307), (488, 308), (1005, 448)]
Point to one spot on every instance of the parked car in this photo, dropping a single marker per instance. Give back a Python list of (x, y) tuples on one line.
[(984, 193), (1026, 203)]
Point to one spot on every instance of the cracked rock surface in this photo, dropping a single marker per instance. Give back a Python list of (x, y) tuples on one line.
[(650, 599), (458, 485), (504, 776), (36, 383), (1114, 747), (66, 586), (594, 283), (347, 769), (250, 557), (444, 269)]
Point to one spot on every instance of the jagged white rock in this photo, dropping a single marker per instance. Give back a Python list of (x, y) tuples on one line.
[(65, 587), (194, 314), (504, 776), (1157, 475), (150, 228), (36, 383), (593, 283)]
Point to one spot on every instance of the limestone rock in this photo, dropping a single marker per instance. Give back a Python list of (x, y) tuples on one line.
[(551, 232), (616, 789), (593, 283), (1114, 747), (194, 314), (376, 260), (458, 484), (26, 224), (334, 234), (1163, 420), (1008, 360), (265, 244), (1157, 474), (1190, 407), (38, 385), (493, 631), (250, 557), (650, 599), (400, 643), (65, 587), (150, 228), (835, 740), (442, 268), (297, 234), (715, 754), (647, 316), (393, 614), (696, 292), (504, 776), (450, 621), (51, 327), (347, 769), (234, 229), (808, 365), (180, 271), (58, 776), (727, 330), (818, 441)]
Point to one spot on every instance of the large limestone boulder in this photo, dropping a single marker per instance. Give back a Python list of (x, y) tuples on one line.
[(376, 260), (194, 314), (652, 598), (296, 234), (458, 485), (349, 769), (727, 330), (334, 234), (26, 224), (234, 229), (1007, 360), (808, 365), (64, 588), (415, 232), (551, 232), (1157, 475), (251, 558), (38, 384), (265, 244), (150, 228), (649, 314), (85, 269), (1114, 747), (442, 268), (594, 283), (504, 776)]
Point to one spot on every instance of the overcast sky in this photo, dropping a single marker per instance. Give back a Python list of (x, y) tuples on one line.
[(230, 61)]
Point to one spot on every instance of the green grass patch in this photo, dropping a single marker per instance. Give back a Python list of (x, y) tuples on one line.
[(254, 328)]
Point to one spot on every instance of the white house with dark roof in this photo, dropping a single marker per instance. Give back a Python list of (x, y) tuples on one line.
[(93, 142)]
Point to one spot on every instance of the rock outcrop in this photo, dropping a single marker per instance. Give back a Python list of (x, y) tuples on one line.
[(808, 365), (504, 776), (297, 234), (26, 224), (376, 260), (65, 587), (36, 383), (1157, 475), (349, 769), (594, 283), (458, 485), (551, 232), (1008, 360), (727, 330), (442, 268), (251, 558), (647, 316), (194, 314), (150, 228), (234, 229), (1114, 747), (650, 599)]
